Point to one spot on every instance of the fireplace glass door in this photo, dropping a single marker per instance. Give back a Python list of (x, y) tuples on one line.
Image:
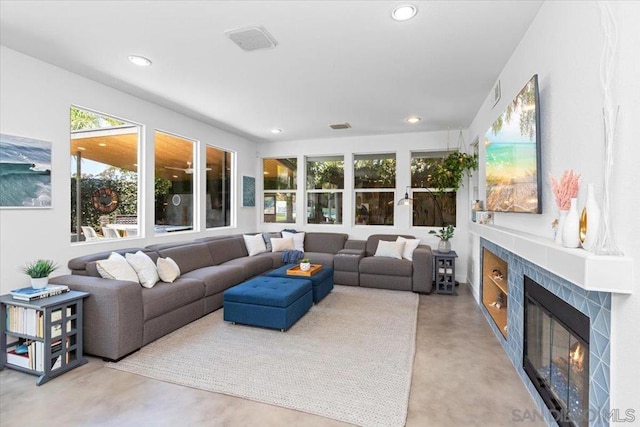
[(557, 361)]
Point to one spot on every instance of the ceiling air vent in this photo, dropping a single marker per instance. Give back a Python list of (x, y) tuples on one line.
[(337, 126), (252, 38)]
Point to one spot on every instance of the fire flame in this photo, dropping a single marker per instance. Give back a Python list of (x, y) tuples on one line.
[(576, 356)]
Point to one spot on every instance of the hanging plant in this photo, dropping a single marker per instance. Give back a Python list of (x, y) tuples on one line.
[(449, 173)]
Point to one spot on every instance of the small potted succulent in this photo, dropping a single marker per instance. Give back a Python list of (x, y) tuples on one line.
[(445, 233), (39, 272), (305, 264)]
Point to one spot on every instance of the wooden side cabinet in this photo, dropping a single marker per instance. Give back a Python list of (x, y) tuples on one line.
[(49, 328), (444, 270)]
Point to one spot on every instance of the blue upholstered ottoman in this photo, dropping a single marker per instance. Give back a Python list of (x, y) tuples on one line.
[(271, 302), (322, 281)]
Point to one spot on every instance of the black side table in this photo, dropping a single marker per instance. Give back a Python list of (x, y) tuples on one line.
[(444, 268)]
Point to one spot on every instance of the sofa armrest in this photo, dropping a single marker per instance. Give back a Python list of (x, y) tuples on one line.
[(422, 269), (113, 318), (355, 244)]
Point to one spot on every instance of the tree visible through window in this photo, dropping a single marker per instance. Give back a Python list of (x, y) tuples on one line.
[(325, 188), (218, 199), (377, 174), (430, 208)]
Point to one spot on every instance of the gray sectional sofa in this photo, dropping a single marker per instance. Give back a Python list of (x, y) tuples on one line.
[(122, 316)]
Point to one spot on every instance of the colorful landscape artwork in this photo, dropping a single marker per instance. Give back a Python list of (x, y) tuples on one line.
[(512, 156), (25, 172)]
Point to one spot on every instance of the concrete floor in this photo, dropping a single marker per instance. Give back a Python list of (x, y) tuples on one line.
[(461, 377)]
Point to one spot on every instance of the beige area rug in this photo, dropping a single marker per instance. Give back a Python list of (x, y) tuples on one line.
[(350, 358)]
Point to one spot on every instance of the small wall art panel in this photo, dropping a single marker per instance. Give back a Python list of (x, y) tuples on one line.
[(248, 191)]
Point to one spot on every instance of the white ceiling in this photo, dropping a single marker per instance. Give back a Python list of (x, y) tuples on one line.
[(336, 61)]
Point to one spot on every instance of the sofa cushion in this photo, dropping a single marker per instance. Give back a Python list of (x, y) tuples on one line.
[(223, 250), (217, 278), (116, 267), (86, 264), (281, 244), (386, 266), (325, 242), (372, 241), (189, 257), (252, 266), (145, 268), (410, 245), (166, 297), (389, 249), (298, 239), (320, 258), (168, 270), (255, 244)]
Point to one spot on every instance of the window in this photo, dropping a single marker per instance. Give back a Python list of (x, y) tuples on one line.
[(430, 208), (280, 189), (377, 174), (218, 199), (325, 188), (174, 183), (104, 176)]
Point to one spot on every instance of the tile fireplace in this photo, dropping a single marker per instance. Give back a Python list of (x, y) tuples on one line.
[(579, 382)]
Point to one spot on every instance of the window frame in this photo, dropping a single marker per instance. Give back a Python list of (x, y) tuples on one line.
[(357, 190), (232, 186), (140, 133), (277, 191), (434, 154), (331, 191), (195, 183)]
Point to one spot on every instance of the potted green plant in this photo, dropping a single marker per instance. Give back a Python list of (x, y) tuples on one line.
[(445, 233), (39, 272), (450, 172), (305, 264)]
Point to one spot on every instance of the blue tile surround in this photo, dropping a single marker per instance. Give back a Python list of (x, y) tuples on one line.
[(596, 305)]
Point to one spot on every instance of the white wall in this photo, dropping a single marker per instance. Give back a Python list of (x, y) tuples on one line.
[(563, 46), (400, 144), (34, 103)]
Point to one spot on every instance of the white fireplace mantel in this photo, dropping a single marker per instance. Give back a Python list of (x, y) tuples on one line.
[(588, 271)]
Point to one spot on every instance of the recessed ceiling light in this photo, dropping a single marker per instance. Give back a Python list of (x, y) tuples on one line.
[(404, 12), (413, 119), (81, 148), (175, 176), (102, 144), (140, 61), (276, 130)]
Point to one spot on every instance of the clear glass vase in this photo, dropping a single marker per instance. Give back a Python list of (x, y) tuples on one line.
[(605, 243)]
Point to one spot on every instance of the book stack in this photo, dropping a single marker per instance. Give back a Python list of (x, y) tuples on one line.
[(30, 294)]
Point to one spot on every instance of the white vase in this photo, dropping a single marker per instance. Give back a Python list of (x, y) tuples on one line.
[(563, 217), (305, 266), (39, 283), (590, 219), (571, 229)]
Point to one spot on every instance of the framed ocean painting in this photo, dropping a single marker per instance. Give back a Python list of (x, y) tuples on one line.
[(512, 154), (25, 172)]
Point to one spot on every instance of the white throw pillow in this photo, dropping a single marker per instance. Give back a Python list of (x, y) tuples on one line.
[(144, 267), (410, 245), (298, 239), (281, 244), (116, 267), (255, 244), (390, 249), (168, 270)]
